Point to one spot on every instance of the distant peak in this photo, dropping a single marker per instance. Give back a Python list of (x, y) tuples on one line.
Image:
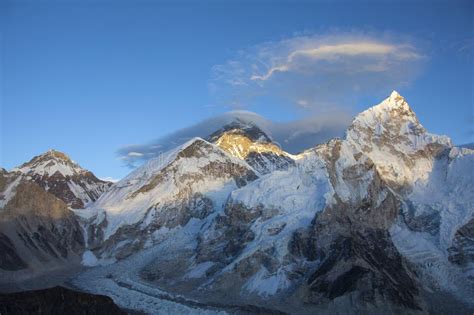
[(395, 95), (395, 100), (392, 122), (238, 123), (241, 127), (50, 162), (394, 106), (49, 155), (56, 154)]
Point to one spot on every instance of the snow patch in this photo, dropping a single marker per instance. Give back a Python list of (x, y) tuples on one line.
[(89, 259), (265, 284), (9, 192)]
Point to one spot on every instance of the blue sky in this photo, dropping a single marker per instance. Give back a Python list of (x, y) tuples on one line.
[(91, 77)]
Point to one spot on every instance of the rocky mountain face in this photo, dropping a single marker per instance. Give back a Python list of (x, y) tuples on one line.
[(59, 175), (380, 221), (248, 142), (38, 229)]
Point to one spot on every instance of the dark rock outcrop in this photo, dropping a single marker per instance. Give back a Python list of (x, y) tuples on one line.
[(462, 251), (57, 300), (9, 260)]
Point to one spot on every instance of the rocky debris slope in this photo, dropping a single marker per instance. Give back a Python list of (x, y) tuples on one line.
[(57, 300), (59, 175)]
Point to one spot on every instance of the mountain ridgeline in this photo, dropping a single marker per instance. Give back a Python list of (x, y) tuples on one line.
[(380, 221)]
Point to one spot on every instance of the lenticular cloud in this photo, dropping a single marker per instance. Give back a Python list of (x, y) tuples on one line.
[(316, 72)]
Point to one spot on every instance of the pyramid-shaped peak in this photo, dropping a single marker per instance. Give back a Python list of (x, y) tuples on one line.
[(391, 115), (394, 107), (392, 122), (395, 100), (56, 154), (50, 162), (395, 95), (52, 156), (241, 127), (56, 173)]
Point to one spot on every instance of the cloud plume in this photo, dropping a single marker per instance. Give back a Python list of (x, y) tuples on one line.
[(293, 136), (316, 72)]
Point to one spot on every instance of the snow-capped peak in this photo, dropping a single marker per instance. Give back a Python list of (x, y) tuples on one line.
[(395, 95), (391, 112), (61, 176), (50, 163), (392, 136), (243, 128), (196, 169), (395, 100), (241, 146), (247, 141)]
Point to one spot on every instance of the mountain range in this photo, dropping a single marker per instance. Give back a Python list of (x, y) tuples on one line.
[(380, 221)]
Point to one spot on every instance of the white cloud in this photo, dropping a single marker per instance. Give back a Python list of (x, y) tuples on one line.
[(323, 70), (337, 51), (134, 154)]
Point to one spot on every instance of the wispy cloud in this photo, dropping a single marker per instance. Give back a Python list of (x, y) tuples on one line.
[(335, 52), (134, 154), (292, 136), (317, 72)]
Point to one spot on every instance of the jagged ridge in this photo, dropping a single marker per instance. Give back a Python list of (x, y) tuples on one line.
[(58, 174)]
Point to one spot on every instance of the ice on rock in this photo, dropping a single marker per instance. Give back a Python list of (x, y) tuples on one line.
[(89, 259)]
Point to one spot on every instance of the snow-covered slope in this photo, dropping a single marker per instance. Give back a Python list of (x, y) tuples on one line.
[(391, 135), (59, 175), (434, 182), (8, 184), (191, 181), (378, 222), (435, 230)]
